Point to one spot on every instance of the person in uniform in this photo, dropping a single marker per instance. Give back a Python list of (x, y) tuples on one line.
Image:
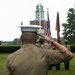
[(42, 44), (33, 60), (66, 63)]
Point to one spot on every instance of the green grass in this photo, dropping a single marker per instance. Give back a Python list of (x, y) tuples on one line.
[(2, 61), (62, 71)]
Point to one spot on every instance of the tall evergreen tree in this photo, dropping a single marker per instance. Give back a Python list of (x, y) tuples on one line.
[(69, 27)]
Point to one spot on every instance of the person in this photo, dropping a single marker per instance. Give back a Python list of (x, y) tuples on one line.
[(42, 43), (33, 60), (66, 63), (58, 64)]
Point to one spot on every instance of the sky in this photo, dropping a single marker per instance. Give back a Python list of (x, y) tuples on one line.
[(12, 12)]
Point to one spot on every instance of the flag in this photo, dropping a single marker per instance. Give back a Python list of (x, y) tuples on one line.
[(39, 17), (58, 28), (48, 32)]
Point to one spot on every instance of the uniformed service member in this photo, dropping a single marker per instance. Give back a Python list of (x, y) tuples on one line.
[(66, 63), (32, 60), (44, 44), (41, 42)]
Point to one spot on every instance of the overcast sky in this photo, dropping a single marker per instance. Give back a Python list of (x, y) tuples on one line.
[(12, 12)]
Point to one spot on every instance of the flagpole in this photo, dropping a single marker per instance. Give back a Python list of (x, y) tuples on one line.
[(39, 15)]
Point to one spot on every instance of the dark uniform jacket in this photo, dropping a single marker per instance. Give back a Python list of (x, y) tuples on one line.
[(32, 60)]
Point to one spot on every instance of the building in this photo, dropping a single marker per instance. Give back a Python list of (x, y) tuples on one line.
[(42, 20)]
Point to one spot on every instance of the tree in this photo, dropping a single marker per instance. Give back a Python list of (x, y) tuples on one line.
[(16, 41), (69, 27)]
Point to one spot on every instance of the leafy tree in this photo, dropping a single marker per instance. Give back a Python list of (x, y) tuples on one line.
[(16, 41), (69, 27)]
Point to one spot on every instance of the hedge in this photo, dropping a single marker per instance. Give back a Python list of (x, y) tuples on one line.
[(11, 49), (73, 49), (8, 49)]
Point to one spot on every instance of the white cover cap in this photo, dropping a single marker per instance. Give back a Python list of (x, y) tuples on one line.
[(30, 28), (41, 31)]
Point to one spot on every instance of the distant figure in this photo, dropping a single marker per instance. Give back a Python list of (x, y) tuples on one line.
[(66, 63), (33, 60), (54, 65)]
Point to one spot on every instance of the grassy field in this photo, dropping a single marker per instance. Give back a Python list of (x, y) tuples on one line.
[(62, 71)]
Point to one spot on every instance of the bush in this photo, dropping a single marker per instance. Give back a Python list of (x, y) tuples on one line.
[(11, 49), (8, 49), (73, 48)]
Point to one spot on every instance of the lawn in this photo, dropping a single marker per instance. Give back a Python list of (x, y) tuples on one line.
[(62, 71)]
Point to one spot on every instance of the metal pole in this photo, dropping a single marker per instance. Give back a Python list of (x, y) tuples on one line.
[(39, 14)]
